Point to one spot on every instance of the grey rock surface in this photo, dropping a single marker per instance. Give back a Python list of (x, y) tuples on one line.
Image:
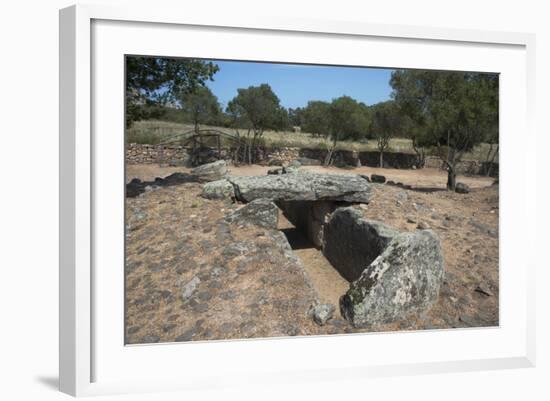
[(306, 161), (303, 186), (462, 188), (404, 280), (219, 189), (260, 212), (211, 171), (351, 242), (189, 288), (322, 313), (378, 178)]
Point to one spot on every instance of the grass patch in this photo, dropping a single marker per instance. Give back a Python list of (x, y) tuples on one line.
[(154, 132)]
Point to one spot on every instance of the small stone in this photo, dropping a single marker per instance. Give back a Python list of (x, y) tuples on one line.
[(168, 327), (462, 188), (189, 288), (411, 220), (422, 226), (150, 339), (133, 330), (322, 313), (378, 178), (482, 289), (226, 328), (187, 336)]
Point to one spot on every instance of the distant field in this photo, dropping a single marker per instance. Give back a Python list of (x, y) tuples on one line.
[(154, 132)]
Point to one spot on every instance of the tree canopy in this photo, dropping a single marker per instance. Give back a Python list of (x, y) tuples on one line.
[(256, 109), (387, 123), (155, 81), (201, 106), (453, 111)]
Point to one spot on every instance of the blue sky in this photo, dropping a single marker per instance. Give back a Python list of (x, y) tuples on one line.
[(295, 85)]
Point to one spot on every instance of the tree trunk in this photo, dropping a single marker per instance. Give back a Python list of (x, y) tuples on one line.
[(451, 178), (381, 159), (492, 162)]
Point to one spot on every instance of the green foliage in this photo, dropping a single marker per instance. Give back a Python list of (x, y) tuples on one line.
[(296, 117), (156, 81), (387, 122), (258, 108), (453, 111), (316, 118), (342, 119), (200, 106), (349, 120)]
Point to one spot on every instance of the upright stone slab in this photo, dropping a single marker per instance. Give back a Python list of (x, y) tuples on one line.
[(351, 242), (404, 280)]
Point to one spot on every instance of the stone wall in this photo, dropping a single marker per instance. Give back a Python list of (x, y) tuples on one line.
[(151, 154), (178, 155), (470, 167)]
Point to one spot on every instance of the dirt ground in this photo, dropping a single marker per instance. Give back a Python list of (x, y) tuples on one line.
[(427, 177), (243, 283)]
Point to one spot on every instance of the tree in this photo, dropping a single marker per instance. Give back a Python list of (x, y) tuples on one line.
[(256, 109), (154, 81), (387, 123), (456, 110), (296, 116), (316, 118), (201, 106), (348, 119)]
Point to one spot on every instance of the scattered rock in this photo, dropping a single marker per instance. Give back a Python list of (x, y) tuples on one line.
[(411, 220), (187, 335), (211, 171), (150, 339), (322, 313), (275, 171), (189, 288), (219, 189), (378, 178), (423, 226), (404, 280), (484, 228), (133, 330), (365, 177), (482, 289), (462, 188)]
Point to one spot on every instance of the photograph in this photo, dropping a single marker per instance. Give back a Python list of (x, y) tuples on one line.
[(270, 199)]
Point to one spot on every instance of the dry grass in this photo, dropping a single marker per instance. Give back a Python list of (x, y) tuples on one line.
[(153, 132)]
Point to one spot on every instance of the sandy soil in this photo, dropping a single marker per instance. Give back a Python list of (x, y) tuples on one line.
[(423, 178), (328, 282), (250, 287)]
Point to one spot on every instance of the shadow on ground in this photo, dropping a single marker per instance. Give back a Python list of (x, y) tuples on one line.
[(52, 382)]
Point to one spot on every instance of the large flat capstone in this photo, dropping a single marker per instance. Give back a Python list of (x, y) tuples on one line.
[(303, 186)]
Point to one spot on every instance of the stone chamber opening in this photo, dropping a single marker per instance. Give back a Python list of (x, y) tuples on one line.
[(328, 282)]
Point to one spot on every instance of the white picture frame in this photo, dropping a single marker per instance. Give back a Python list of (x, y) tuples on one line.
[(82, 344)]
